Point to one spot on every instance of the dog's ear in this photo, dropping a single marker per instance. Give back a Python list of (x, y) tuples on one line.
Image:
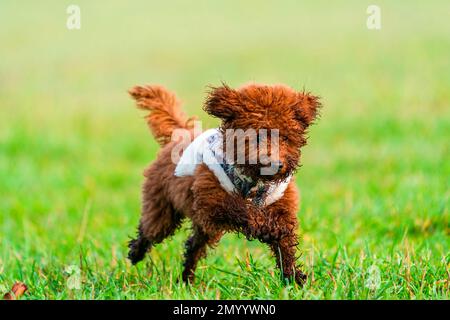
[(307, 108), (222, 102)]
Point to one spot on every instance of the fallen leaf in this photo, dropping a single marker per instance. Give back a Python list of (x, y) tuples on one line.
[(17, 291), (8, 296)]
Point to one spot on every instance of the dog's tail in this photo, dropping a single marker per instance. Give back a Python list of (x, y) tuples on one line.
[(165, 113)]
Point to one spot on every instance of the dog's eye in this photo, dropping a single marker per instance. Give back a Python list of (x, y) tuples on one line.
[(284, 138)]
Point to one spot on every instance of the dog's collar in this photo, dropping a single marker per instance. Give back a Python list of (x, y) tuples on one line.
[(207, 148)]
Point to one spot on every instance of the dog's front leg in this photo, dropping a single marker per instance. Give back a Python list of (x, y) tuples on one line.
[(284, 251), (283, 240), (215, 210)]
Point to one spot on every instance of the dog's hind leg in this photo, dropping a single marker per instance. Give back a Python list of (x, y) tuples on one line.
[(159, 221), (138, 247), (195, 250)]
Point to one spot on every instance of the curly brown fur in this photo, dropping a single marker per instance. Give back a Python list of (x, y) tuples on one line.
[(167, 199)]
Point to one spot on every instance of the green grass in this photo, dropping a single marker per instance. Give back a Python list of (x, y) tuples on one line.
[(375, 176)]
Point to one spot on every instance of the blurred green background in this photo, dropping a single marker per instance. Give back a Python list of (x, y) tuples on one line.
[(375, 174)]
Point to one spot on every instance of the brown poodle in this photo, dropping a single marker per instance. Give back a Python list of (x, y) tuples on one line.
[(228, 195)]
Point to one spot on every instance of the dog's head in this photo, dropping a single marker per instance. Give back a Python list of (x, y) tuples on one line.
[(264, 127)]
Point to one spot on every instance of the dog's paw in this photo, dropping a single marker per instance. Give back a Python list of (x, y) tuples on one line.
[(137, 249), (188, 278), (299, 277)]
